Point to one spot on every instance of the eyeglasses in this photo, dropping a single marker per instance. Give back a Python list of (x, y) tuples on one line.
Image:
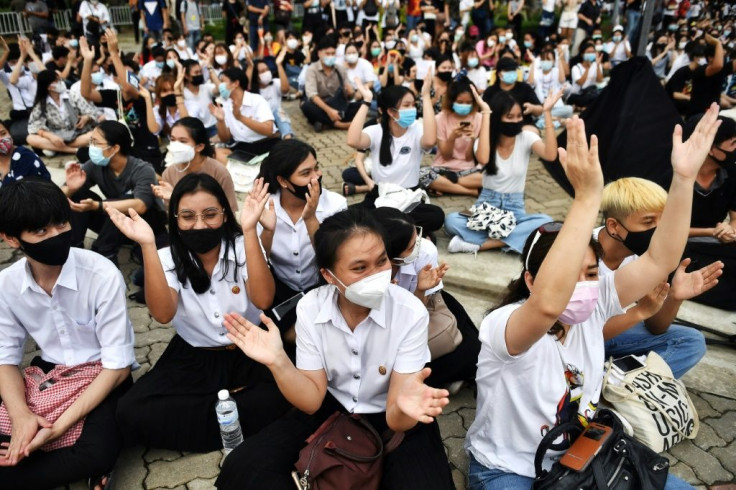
[(210, 216), (551, 227)]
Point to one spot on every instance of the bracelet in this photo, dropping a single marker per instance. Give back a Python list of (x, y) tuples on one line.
[(99, 204), (366, 103)]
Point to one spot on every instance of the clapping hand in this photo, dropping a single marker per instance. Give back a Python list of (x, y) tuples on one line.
[(652, 302), (253, 205), (263, 346), (419, 401), (163, 190), (75, 177), (430, 277), (133, 227), (687, 285)]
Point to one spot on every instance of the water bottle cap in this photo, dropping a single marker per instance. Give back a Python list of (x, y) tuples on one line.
[(223, 395)]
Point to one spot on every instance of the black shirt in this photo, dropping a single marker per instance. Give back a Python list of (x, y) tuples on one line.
[(522, 92), (712, 208), (679, 80), (591, 12), (707, 90), (294, 59)]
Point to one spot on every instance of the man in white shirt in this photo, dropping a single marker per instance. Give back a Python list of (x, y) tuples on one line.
[(71, 302)]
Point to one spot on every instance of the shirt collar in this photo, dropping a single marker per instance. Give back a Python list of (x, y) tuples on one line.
[(333, 315), (721, 176), (67, 277)]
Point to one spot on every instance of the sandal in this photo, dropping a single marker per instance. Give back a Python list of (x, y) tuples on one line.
[(348, 189), (95, 482)]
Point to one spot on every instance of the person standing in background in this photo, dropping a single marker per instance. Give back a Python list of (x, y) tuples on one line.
[(155, 17), (37, 13), (192, 23)]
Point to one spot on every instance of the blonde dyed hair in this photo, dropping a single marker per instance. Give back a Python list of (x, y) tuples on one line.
[(628, 195)]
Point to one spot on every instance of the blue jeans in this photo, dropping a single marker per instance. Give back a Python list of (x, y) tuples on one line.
[(283, 123), (482, 478), (412, 21), (633, 19), (292, 72), (455, 224), (681, 347), (193, 38)]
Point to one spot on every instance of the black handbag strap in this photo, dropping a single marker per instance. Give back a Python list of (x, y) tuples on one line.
[(572, 428), (356, 457)]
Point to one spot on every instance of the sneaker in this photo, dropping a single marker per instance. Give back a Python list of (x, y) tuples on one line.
[(457, 244), (49, 153), (317, 127), (455, 387)]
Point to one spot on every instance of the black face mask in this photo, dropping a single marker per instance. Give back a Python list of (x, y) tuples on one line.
[(52, 251), (728, 161), (169, 100), (201, 240), (197, 80), (301, 191), (445, 76), (358, 44), (509, 128), (636, 241)]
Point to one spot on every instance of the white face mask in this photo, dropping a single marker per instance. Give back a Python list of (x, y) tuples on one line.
[(369, 291), (265, 77), (182, 43), (221, 59), (60, 87), (351, 58), (292, 43), (413, 255), (179, 153)]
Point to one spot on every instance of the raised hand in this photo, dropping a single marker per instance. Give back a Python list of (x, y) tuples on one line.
[(650, 304), (687, 285), (263, 346), (364, 91), (551, 100), (112, 41), (163, 190), (482, 104), (268, 216), (430, 277), (428, 84), (84, 49), (687, 157), (312, 199), (581, 164), (420, 401), (75, 177), (253, 205), (133, 227), (218, 112)]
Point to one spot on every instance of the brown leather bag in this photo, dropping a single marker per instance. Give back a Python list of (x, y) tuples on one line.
[(345, 452)]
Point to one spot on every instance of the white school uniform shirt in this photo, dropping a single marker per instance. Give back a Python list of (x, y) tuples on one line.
[(151, 72), (577, 73), (87, 9), (272, 94), (359, 363), (198, 318), (511, 175), (255, 107), (406, 153), (479, 76), (408, 274), (84, 320), (522, 397), (198, 105), (292, 253), (23, 92)]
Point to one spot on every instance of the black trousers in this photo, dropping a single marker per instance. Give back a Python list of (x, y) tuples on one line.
[(267, 459), (723, 295), (173, 405), (94, 453), (430, 217), (462, 363), (314, 113), (19, 126), (257, 147)]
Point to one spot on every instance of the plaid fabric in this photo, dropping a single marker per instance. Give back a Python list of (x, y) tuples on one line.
[(49, 395)]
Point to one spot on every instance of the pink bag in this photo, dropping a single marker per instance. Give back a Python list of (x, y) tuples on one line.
[(49, 395)]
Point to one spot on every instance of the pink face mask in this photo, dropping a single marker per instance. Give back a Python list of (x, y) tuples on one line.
[(581, 304)]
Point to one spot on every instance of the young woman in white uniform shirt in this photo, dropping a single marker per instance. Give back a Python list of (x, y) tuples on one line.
[(211, 268), (542, 354), (361, 348)]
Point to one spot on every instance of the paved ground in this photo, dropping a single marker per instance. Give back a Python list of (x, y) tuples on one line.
[(477, 282)]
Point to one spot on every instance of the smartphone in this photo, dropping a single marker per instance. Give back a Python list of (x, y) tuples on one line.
[(464, 124), (133, 80), (586, 447), (466, 213), (281, 310), (627, 363)]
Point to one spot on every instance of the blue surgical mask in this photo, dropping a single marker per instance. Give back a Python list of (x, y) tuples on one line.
[(329, 60), (73, 43), (170, 63), (527, 44), (590, 57), (97, 77), (472, 62), (547, 65), (616, 39), (509, 77), (462, 109), (160, 64), (407, 117), (224, 91), (502, 39), (97, 157)]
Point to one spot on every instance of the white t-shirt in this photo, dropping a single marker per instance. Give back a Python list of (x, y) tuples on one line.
[(406, 152), (150, 72), (546, 83), (408, 274), (255, 107), (198, 318), (522, 397), (198, 105), (88, 9), (393, 337), (23, 93), (363, 70), (479, 76), (577, 74), (618, 55), (511, 175), (272, 94)]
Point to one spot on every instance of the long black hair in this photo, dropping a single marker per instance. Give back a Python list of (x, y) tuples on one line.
[(517, 289), (187, 264), (338, 228), (116, 133), (43, 82), (389, 98), (283, 160), (401, 226), (501, 104), (197, 131)]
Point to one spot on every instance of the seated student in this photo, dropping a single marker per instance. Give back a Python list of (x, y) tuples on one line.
[(169, 104), (618, 48), (541, 362), (507, 81), (585, 77), (124, 180), (152, 70), (679, 86), (708, 79), (328, 90), (245, 118), (21, 84), (414, 267), (344, 330), (714, 198), (71, 302), (547, 75), (198, 95), (58, 122), (273, 90), (396, 145), (504, 176), (287, 228), (464, 120), (18, 162), (632, 209), (293, 59), (211, 268), (62, 62)]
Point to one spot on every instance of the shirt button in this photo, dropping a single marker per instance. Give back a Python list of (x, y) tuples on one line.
[(355, 399), (355, 352), (295, 252), (222, 333), (217, 315), (212, 291), (356, 376), (62, 332), (54, 307), (298, 271)]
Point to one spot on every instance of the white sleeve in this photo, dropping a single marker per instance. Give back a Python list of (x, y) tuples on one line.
[(308, 355), (112, 326), (169, 270), (413, 351), (493, 332), (373, 132), (263, 110)]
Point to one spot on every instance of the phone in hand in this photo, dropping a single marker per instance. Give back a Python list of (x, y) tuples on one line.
[(464, 124), (282, 309), (586, 447)]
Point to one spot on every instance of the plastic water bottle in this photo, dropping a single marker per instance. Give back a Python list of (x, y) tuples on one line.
[(227, 417)]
